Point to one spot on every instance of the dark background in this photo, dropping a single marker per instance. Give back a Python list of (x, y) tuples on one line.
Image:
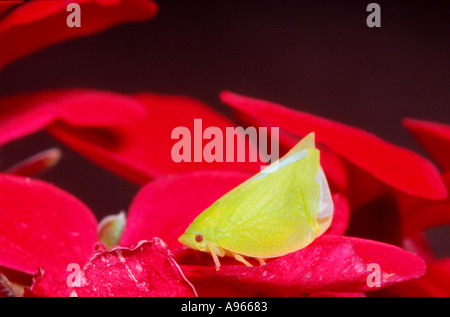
[(315, 56)]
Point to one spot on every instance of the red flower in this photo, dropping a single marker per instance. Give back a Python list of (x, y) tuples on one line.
[(127, 135), (412, 181), (49, 229), (148, 269), (28, 26), (423, 215), (434, 137), (25, 114), (371, 173), (43, 228), (357, 163), (52, 243), (164, 208), (331, 264)]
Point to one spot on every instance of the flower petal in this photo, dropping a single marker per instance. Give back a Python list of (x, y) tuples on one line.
[(5, 6), (42, 226), (393, 165), (148, 269), (25, 114), (37, 24), (143, 150), (435, 283), (165, 207), (434, 137), (424, 217), (419, 215), (329, 264)]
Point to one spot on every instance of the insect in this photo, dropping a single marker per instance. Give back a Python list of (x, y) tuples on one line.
[(280, 210)]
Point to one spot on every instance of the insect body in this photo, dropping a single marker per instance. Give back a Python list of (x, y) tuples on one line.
[(279, 210)]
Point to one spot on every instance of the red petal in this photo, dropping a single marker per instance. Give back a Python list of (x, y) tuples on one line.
[(165, 207), (435, 283), (145, 270), (5, 6), (25, 114), (41, 225), (419, 215), (393, 165), (37, 24), (434, 137), (426, 216), (329, 264), (144, 150)]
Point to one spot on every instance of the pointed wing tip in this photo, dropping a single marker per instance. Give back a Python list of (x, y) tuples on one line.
[(308, 142), (311, 137)]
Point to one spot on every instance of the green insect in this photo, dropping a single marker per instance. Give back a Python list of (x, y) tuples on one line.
[(278, 211)]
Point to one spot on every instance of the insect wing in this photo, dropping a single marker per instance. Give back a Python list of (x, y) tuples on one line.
[(275, 212)]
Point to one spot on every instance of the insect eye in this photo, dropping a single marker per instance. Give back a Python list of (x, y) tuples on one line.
[(199, 238)]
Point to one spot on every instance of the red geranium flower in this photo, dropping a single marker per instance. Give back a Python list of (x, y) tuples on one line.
[(43, 23), (44, 230), (48, 230), (414, 183), (424, 215), (434, 137), (358, 164), (128, 135), (333, 263), (370, 172), (50, 235)]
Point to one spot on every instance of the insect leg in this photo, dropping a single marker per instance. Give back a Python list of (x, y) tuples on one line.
[(239, 258), (261, 261), (214, 255)]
